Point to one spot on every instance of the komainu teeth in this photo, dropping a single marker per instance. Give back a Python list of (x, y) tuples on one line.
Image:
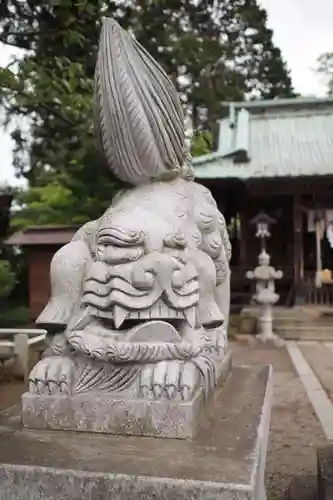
[(145, 314), (119, 315), (163, 310), (190, 315), (185, 392), (157, 311)]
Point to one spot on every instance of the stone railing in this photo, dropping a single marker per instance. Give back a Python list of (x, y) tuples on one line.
[(15, 344)]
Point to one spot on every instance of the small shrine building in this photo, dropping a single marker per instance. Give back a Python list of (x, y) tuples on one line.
[(276, 157)]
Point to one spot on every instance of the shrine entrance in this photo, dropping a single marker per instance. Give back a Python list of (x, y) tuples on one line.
[(298, 245)]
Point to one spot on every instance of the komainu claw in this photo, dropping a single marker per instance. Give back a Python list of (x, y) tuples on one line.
[(53, 375)]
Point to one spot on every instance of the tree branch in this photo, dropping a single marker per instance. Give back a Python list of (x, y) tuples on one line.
[(11, 44), (20, 33), (47, 108)]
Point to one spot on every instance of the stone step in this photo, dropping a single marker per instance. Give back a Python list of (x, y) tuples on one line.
[(314, 323), (296, 315), (282, 322), (308, 311), (302, 332)]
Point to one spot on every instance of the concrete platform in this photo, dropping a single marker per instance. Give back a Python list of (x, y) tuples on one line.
[(225, 461)]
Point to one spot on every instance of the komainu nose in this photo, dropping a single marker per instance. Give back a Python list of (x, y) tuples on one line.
[(154, 266), (184, 275)]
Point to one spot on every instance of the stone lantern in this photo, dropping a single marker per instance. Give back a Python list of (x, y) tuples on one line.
[(265, 275)]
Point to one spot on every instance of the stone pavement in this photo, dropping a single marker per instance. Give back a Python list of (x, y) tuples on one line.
[(313, 362)]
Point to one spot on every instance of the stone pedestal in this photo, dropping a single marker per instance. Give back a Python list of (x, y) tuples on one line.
[(225, 460), (112, 414)]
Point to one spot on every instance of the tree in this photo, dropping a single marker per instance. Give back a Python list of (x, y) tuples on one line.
[(53, 86), (7, 278), (222, 50), (214, 51), (325, 68)]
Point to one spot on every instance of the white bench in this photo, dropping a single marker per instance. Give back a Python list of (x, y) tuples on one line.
[(17, 349)]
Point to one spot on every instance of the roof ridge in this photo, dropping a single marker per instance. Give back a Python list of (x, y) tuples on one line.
[(279, 102)]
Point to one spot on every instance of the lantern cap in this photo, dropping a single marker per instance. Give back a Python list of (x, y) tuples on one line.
[(262, 218)]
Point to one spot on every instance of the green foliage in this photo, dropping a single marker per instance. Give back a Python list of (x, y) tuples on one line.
[(223, 51), (214, 52), (14, 317), (325, 68), (50, 204), (202, 143), (7, 278)]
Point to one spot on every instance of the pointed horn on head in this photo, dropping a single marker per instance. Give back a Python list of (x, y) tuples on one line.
[(138, 114)]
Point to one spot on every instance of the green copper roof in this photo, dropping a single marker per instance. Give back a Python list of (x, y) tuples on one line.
[(279, 138)]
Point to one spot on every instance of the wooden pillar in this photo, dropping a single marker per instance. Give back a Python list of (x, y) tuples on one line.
[(244, 229), (298, 241), (318, 254)]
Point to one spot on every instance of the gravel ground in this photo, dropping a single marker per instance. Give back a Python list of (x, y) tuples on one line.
[(10, 392), (295, 431)]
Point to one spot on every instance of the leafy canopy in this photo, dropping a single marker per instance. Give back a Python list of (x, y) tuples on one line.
[(7, 278), (325, 68), (215, 51)]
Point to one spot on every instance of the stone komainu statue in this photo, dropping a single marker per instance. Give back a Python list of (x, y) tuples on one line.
[(140, 297)]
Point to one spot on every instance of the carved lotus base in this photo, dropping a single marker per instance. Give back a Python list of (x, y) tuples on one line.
[(119, 414)]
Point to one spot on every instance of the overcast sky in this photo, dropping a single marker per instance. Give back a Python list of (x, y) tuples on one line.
[(302, 30)]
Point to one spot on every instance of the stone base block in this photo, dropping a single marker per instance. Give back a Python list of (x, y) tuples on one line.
[(96, 412), (225, 460), (303, 488), (110, 415), (325, 473)]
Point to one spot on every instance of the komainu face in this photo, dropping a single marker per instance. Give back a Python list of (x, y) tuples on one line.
[(159, 255), (143, 293)]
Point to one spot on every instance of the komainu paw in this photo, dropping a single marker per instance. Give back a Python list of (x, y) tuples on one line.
[(53, 375), (169, 380)]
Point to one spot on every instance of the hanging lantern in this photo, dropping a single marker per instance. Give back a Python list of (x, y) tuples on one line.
[(262, 222)]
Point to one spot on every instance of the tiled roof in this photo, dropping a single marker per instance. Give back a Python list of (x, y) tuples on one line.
[(43, 235), (285, 139)]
